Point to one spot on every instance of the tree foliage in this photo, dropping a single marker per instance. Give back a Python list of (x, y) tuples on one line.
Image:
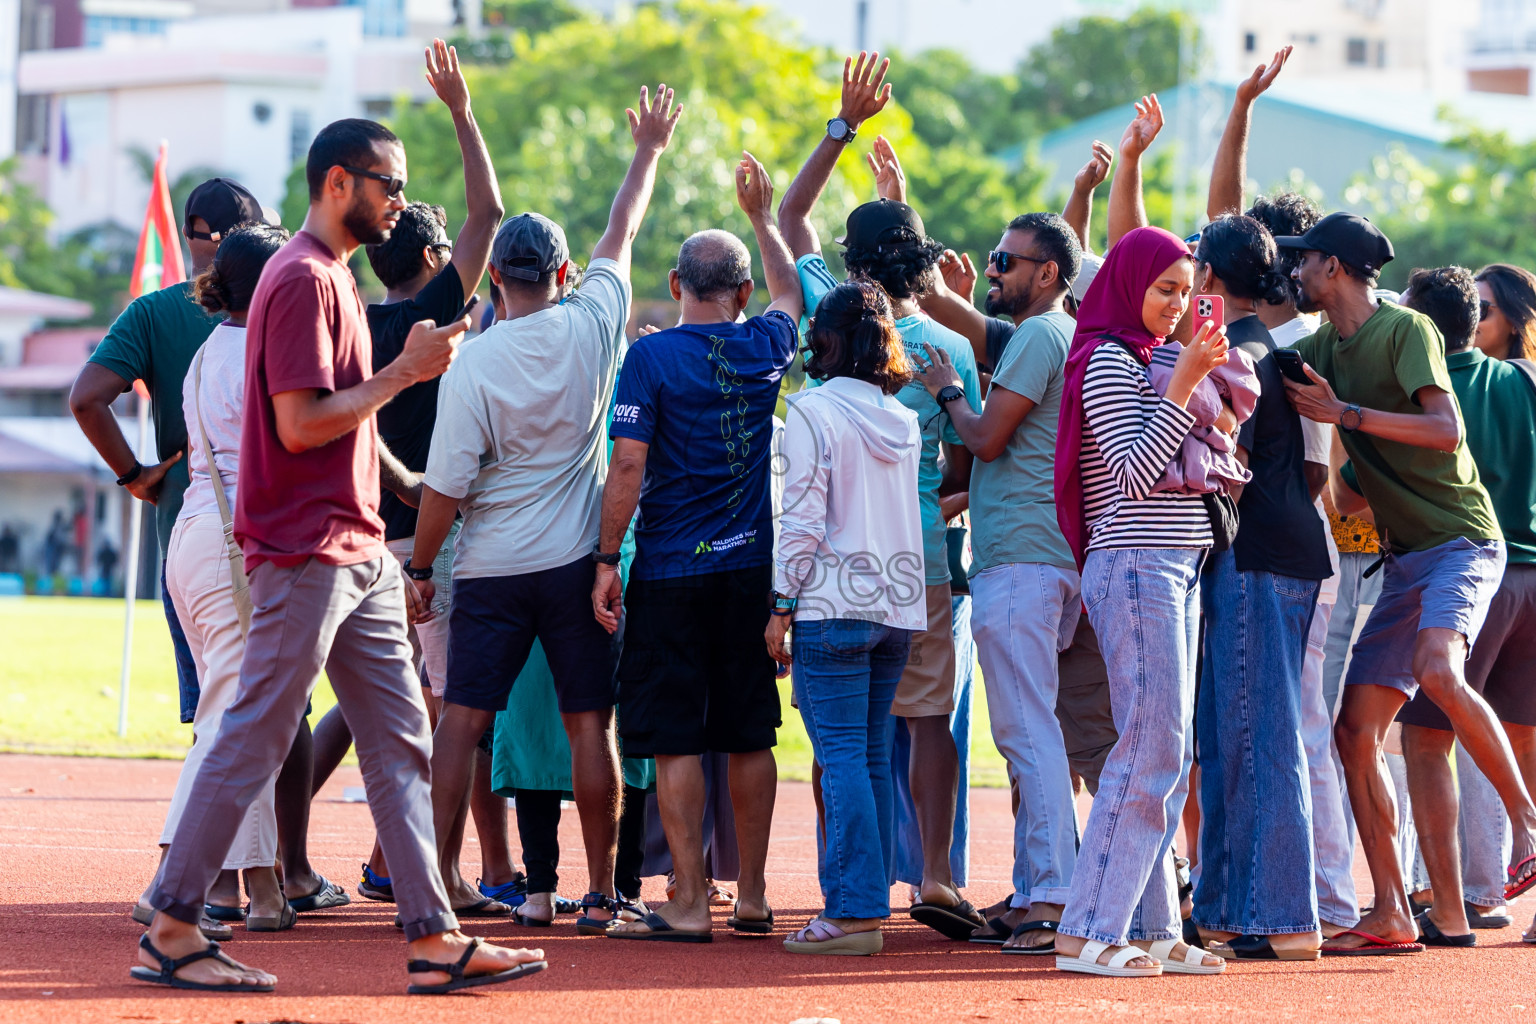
[(86, 265)]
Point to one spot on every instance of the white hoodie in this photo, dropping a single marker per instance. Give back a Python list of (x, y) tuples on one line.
[(851, 536)]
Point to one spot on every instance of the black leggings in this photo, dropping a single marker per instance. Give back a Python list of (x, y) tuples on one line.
[(538, 828)]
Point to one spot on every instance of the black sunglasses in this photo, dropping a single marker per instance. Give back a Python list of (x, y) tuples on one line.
[(393, 186), (1001, 259), (1483, 307)]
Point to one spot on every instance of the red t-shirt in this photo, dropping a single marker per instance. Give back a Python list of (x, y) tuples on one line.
[(307, 329)]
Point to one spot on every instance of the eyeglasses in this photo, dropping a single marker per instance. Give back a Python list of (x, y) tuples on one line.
[(1484, 307), (393, 186), (1001, 259)]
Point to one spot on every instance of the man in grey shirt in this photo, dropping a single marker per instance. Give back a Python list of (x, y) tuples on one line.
[(1023, 578)]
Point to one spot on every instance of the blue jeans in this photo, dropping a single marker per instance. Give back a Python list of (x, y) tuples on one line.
[(186, 669), (846, 672), (1256, 857), (1144, 604), (907, 852)]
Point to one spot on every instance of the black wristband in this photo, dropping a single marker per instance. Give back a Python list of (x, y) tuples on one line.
[(417, 574), (132, 475), (606, 557)]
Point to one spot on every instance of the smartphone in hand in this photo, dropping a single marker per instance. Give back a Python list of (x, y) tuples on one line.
[(1209, 307), (469, 307), (1290, 363)]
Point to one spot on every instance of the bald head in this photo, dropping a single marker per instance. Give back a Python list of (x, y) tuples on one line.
[(713, 264)]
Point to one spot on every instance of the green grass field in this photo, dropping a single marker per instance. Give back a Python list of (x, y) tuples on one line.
[(59, 689)]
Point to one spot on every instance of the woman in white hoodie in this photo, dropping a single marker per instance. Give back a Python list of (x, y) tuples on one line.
[(849, 574)]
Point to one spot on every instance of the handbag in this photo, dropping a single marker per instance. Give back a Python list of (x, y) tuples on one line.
[(239, 585)]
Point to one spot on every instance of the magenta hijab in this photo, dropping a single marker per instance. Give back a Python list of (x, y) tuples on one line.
[(1110, 313)]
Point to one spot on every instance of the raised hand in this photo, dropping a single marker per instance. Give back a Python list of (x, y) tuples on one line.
[(444, 76), (1263, 76), (1205, 351), (890, 179), (1095, 170), (1143, 128), (754, 189), (959, 273), (652, 126), (865, 90)]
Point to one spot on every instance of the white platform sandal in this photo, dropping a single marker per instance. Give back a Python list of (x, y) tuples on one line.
[(1193, 961), (1087, 962)]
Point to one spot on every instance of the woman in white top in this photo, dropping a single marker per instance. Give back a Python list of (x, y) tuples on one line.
[(198, 571), (849, 571)]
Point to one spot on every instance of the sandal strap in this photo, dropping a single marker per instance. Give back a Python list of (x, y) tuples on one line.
[(453, 970), (1091, 950), (597, 901), (1125, 956), (821, 929), (169, 965)]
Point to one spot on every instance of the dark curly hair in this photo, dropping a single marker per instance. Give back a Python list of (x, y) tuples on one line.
[(1243, 255), (903, 272), (1448, 296), (230, 280), (399, 258), (854, 335), (1286, 213)]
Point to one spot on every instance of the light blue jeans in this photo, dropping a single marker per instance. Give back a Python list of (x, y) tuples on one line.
[(846, 672), (1482, 828), (1026, 612), (1332, 837), (1256, 873), (1144, 604)]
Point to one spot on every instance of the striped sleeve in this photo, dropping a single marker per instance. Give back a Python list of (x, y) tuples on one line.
[(1136, 447)]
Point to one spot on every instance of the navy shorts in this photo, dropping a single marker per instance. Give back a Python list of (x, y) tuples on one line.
[(495, 620)]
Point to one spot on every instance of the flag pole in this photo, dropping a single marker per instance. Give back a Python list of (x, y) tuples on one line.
[(131, 579)]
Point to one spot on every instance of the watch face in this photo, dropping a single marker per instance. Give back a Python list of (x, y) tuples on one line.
[(837, 128)]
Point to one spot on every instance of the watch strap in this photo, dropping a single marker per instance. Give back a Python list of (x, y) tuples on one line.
[(417, 574), (132, 475), (606, 557)]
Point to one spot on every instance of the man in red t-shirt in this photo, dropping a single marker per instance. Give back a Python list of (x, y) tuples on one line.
[(327, 595)]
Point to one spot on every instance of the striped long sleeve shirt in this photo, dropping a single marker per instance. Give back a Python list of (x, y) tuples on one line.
[(1131, 434)]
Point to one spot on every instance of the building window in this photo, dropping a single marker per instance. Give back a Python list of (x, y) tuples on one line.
[(1354, 52), (1250, 42), (298, 135)]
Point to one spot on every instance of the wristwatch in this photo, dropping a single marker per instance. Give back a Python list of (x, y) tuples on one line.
[(839, 130), (130, 476), (606, 557), (1351, 418), (417, 574), (949, 392), (778, 604)]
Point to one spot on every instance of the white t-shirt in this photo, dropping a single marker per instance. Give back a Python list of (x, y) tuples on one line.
[(222, 403), (521, 435)]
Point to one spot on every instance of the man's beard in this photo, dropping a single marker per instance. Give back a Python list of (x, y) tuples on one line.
[(1002, 305), (363, 225), (1304, 302)]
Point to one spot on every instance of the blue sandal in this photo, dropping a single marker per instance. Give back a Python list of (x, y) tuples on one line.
[(592, 925)]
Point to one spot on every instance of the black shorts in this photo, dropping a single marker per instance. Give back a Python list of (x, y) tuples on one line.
[(495, 620), (1500, 664), (695, 676)]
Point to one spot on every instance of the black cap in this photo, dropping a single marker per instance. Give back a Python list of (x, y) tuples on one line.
[(529, 246), (1352, 239), (224, 204), (884, 224)]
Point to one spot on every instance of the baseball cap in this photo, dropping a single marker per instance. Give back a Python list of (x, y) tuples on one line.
[(882, 225), (1351, 238), (224, 204), (529, 246)]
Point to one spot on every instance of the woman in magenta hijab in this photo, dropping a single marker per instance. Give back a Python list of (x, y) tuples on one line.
[(1140, 554)]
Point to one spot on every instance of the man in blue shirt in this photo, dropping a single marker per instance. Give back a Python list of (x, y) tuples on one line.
[(886, 244), (692, 422)]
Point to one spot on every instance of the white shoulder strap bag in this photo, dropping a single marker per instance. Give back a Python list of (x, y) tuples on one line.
[(239, 585)]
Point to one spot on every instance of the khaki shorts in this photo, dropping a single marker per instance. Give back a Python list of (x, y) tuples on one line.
[(927, 687)]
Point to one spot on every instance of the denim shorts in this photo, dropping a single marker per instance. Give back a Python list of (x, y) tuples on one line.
[(1446, 587)]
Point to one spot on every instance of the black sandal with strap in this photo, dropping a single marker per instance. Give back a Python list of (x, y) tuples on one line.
[(457, 979), (166, 975), (593, 925), (1033, 926)]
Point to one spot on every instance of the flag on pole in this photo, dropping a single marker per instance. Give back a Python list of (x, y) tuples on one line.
[(157, 261)]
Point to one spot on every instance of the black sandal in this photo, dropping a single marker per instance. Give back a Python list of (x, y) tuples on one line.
[(750, 925), (457, 979), (596, 926), (1025, 929), (166, 975), (324, 898)]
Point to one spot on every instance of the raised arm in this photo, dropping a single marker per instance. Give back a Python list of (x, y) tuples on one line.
[(754, 193), (1127, 208), (1079, 209), (948, 300), (890, 179), (865, 94), (1230, 169), (652, 132), (482, 196)]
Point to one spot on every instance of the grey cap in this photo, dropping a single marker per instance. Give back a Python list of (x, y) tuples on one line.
[(529, 246)]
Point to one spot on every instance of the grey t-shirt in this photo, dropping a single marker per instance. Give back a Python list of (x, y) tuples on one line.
[(521, 436), (1013, 497)]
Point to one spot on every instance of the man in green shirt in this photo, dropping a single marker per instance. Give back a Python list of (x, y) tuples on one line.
[(1498, 405), (154, 340), (1379, 374)]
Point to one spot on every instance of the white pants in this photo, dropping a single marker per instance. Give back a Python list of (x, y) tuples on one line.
[(429, 640), (197, 577)]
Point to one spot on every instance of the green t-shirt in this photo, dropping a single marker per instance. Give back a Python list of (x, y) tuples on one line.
[(154, 340), (1498, 406), (1013, 497), (1421, 497)]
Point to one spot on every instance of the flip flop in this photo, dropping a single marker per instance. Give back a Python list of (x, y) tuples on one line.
[(1515, 888), (218, 931), (324, 898), (833, 941), (457, 979), (1025, 929), (1431, 935), (518, 917), (751, 925), (1376, 946), (166, 975), (1487, 917), (218, 913), (1193, 961), (998, 933), (957, 922), (1256, 947), (660, 931), (281, 923)]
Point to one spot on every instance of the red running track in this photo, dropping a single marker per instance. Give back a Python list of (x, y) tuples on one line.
[(77, 844)]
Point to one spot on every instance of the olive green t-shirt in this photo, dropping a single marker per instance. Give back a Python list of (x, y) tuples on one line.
[(1421, 497)]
